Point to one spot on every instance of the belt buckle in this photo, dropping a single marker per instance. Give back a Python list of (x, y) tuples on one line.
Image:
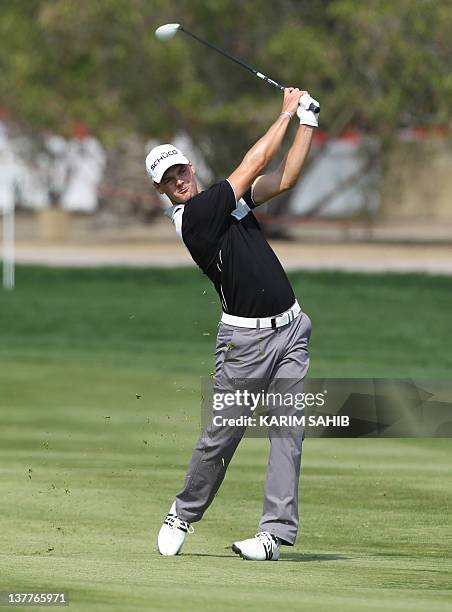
[(285, 318)]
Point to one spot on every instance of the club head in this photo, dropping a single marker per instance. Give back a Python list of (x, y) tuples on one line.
[(167, 31)]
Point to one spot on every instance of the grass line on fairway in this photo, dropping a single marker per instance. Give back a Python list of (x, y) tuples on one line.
[(363, 325), (100, 407)]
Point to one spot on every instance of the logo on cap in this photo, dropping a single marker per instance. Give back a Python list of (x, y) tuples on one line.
[(163, 156)]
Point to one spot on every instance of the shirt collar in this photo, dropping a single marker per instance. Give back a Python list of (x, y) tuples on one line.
[(171, 210)]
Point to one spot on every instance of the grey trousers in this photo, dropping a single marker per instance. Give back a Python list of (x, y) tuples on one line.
[(280, 357)]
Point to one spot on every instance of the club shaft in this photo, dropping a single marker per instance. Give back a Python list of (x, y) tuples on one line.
[(234, 59)]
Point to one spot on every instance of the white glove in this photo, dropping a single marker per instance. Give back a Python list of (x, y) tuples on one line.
[(305, 110)]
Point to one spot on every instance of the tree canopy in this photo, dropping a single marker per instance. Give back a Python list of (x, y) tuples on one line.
[(378, 65)]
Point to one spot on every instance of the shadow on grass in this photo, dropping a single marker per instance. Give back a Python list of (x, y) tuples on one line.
[(306, 557), (230, 556), (290, 557)]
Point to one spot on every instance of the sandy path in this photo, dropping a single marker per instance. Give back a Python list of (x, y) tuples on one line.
[(397, 247), (293, 255)]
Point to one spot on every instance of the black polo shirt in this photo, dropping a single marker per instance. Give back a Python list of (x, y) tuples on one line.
[(225, 240)]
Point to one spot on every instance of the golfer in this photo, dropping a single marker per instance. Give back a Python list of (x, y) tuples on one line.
[(263, 333)]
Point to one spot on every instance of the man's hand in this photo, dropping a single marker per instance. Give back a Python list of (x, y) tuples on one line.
[(305, 113), (292, 96)]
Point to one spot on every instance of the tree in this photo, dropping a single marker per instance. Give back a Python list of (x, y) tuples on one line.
[(379, 65)]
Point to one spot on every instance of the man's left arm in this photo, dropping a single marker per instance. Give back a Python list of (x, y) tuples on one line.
[(286, 175)]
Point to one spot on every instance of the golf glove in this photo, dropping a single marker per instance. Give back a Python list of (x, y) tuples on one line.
[(305, 113)]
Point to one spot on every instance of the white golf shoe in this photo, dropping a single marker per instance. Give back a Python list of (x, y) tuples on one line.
[(172, 533), (263, 547)]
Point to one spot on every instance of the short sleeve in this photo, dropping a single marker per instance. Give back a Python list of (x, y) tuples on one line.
[(224, 196), (248, 197)]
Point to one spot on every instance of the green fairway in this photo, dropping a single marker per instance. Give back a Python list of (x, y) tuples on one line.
[(99, 410)]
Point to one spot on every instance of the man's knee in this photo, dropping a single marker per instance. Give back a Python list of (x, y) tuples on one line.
[(220, 441)]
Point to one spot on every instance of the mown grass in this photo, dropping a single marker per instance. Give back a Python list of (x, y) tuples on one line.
[(99, 409)]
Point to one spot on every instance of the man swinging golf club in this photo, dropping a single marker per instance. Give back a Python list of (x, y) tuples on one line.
[(263, 333)]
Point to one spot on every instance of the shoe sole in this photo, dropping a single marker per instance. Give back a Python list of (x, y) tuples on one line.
[(162, 555), (237, 551)]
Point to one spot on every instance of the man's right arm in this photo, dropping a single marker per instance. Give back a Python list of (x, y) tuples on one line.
[(260, 155)]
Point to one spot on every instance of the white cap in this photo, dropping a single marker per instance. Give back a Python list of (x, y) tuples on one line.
[(161, 158)]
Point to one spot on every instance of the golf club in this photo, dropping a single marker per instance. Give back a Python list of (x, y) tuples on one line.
[(167, 31)]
